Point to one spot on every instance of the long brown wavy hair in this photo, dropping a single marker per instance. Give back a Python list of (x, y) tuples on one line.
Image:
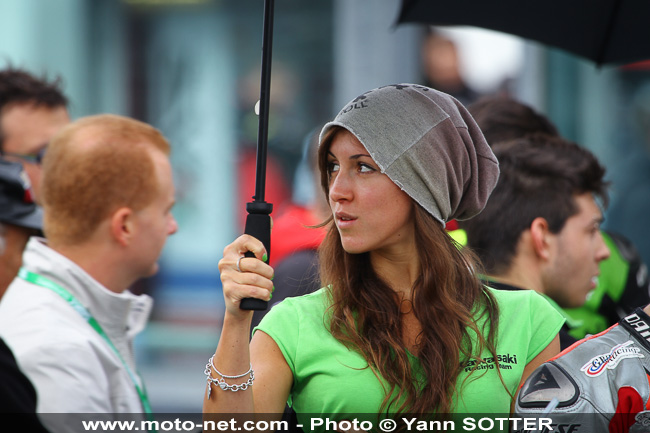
[(448, 300)]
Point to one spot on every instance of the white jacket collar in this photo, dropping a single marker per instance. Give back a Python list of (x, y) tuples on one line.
[(117, 313)]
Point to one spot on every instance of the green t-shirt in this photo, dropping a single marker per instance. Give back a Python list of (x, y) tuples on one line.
[(328, 378)]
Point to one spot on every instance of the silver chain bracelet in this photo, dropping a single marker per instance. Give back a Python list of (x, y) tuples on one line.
[(222, 382)]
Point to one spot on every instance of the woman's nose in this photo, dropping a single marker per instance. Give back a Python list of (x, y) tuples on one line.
[(340, 188)]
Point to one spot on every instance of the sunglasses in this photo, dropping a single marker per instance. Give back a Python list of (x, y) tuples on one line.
[(33, 158)]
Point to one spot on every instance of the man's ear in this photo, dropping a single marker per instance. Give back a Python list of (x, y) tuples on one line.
[(540, 235), (122, 225)]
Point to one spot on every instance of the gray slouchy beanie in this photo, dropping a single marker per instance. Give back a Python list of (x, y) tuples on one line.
[(428, 144)]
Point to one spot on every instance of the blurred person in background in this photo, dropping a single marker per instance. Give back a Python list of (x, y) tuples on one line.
[(32, 110), (68, 316), (441, 66), (623, 284), (20, 218), (17, 395), (540, 229)]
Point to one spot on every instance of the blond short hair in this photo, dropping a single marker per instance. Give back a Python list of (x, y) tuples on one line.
[(93, 167)]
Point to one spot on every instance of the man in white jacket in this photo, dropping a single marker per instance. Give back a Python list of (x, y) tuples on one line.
[(107, 194)]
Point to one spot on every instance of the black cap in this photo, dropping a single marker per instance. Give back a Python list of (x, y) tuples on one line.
[(17, 205)]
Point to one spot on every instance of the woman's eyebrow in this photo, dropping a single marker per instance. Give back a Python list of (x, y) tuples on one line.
[(357, 156)]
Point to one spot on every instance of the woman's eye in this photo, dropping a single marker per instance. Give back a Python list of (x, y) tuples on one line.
[(332, 167), (364, 168)]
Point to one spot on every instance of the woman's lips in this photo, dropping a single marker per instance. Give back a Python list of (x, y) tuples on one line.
[(344, 220)]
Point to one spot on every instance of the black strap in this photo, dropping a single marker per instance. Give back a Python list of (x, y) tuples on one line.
[(638, 324)]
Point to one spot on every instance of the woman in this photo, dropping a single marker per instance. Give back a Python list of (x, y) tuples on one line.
[(402, 324)]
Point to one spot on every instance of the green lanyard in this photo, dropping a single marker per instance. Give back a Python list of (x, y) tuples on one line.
[(40, 280)]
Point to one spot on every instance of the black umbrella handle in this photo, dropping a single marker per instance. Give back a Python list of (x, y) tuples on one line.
[(258, 221), (258, 225)]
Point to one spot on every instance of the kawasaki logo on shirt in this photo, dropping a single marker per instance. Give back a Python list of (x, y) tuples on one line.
[(504, 360)]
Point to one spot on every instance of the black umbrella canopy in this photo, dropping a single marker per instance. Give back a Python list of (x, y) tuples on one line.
[(604, 31)]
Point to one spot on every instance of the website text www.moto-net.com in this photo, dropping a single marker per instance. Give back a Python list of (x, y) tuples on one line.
[(325, 424), (179, 425)]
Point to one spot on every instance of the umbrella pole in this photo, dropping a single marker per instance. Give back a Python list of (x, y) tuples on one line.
[(258, 221)]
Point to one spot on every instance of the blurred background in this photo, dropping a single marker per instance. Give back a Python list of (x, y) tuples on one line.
[(191, 68)]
